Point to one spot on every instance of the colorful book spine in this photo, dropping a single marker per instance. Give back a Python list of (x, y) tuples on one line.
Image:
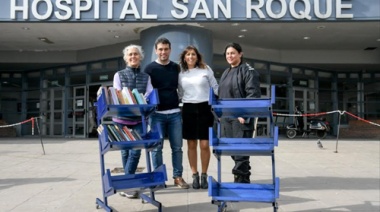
[(136, 135), (112, 133), (113, 95), (128, 132), (137, 96)]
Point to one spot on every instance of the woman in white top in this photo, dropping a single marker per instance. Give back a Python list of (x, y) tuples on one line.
[(194, 83)]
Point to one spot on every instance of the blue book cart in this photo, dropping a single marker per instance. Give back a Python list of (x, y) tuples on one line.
[(223, 192), (145, 183)]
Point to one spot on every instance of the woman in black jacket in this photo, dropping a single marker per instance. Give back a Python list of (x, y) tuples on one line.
[(240, 80)]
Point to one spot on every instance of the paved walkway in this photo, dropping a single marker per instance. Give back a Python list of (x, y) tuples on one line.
[(67, 177)]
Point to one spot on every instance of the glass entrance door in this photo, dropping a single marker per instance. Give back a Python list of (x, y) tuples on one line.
[(306, 100), (79, 127), (52, 111)]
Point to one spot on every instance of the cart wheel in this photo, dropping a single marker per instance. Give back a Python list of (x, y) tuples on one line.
[(275, 206), (222, 207), (291, 133), (98, 206)]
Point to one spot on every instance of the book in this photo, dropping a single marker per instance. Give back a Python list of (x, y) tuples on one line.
[(112, 133), (103, 90), (120, 97), (121, 133), (143, 99), (128, 132), (127, 94), (136, 135), (138, 97), (132, 96), (113, 96), (100, 130)]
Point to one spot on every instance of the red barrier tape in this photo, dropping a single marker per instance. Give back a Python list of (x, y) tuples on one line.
[(325, 113), (23, 122)]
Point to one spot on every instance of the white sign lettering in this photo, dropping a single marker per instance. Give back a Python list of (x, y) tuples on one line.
[(119, 10)]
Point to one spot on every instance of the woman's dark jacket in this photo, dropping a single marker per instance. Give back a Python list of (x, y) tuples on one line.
[(246, 83)]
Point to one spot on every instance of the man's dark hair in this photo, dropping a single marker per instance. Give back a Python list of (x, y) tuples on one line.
[(162, 40)]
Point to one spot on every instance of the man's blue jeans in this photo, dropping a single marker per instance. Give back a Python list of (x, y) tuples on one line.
[(171, 125), (131, 158)]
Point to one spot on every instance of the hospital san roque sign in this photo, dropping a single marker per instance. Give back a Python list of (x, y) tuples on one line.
[(187, 10)]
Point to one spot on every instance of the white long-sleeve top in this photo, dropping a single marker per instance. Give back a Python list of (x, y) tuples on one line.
[(194, 85)]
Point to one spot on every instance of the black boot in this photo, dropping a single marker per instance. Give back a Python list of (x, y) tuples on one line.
[(204, 183), (196, 181), (241, 179)]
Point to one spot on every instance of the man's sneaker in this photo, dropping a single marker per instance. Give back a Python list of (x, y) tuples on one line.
[(130, 194), (180, 183)]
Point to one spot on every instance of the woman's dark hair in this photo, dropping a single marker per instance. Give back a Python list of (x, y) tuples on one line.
[(199, 62), (237, 47), (162, 40)]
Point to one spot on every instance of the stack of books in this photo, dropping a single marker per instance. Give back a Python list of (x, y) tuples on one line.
[(125, 96), (118, 132)]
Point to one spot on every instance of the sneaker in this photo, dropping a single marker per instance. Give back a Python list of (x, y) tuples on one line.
[(130, 194), (204, 183), (180, 183), (196, 184)]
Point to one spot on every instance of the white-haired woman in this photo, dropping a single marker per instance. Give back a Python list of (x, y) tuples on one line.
[(132, 77)]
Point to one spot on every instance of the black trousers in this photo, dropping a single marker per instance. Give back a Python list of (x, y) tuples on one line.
[(232, 128)]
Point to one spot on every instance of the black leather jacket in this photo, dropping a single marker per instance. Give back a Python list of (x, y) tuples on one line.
[(247, 83)]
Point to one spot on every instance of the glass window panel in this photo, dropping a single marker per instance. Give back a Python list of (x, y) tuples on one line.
[(311, 83), (78, 79), (366, 75), (101, 76), (61, 71), (80, 92), (281, 104), (33, 83), (79, 68), (58, 116), (279, 79), (341, 75), (95, 66), (112, 65), (17, 75), (281, 91), (48, 72), (260, 66), (309, 73), (79, 104), (311, 95), (58, 94), (298, 94), (354, 75), (33, 74), (5, 75), (263, 91), (278, 68), (297, 71), (324, 74), (58, 104)]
